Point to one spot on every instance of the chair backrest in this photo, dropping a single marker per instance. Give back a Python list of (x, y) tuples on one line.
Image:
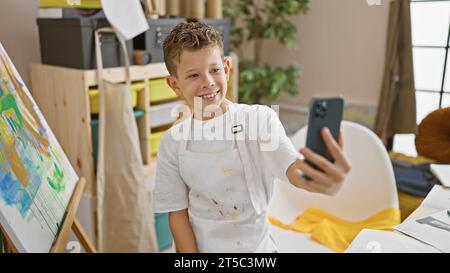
[(369, 188)]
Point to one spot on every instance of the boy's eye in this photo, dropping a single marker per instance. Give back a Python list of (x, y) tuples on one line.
[(215, 70), (193, 76)]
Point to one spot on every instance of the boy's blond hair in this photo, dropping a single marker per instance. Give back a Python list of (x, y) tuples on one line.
[(188, 36)]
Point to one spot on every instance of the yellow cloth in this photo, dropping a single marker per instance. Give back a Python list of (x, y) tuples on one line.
[(334, 232), (408, 203), (410, 159)]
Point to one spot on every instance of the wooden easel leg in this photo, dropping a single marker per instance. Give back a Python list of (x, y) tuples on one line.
[(8, 246), (2, 243), (81, 234)]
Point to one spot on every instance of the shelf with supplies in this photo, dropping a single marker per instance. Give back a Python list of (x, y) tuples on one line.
[(67, 98)]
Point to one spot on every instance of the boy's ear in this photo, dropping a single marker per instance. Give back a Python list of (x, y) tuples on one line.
[(227, 66), (173, 83)]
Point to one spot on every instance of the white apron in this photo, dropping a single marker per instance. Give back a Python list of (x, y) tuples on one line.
[(227, 205)]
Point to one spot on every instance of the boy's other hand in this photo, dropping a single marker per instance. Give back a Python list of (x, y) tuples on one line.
[(333, 175)]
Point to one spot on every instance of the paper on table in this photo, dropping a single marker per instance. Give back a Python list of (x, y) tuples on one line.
[(378, 241), (126, 17), (442, 172), (438, 199), (433, 230)]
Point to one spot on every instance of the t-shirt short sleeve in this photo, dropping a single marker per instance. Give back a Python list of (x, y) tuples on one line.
[(171, 193), (277, 149)]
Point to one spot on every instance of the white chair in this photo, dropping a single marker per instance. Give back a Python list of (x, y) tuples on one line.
[(369, 188)]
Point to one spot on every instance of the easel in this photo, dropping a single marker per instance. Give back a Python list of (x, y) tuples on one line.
[(69, 223)]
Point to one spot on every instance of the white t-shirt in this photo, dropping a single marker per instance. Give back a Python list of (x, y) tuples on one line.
[(171, 192)]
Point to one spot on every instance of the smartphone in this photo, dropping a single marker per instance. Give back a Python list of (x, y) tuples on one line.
[(323, 112)]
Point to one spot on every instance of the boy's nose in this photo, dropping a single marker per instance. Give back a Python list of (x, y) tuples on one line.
[(209, 82)]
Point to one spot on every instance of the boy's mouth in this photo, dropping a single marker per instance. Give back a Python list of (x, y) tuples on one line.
[(210, 95)]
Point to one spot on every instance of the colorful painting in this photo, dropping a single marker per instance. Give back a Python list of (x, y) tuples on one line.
[(36, 178)]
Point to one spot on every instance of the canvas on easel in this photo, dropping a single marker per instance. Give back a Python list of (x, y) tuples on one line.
[(36, 179)]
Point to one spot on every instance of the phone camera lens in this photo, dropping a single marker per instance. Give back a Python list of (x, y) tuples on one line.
[(318, 110), (321, 110)]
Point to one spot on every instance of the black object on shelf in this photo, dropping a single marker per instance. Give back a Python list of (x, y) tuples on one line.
[(152, 40), (71, 43)]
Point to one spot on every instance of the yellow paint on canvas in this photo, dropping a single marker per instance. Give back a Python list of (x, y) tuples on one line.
[(2, 161), (16, 164)]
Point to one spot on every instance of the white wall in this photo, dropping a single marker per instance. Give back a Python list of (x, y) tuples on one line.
[(341, 49), (19, 33)]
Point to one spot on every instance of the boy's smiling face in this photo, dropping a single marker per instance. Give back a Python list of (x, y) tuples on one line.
[(202, 77)]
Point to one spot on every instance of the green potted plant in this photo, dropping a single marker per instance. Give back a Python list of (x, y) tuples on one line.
[(256, 21)]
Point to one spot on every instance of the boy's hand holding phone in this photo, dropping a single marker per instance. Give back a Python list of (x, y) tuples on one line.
[(330, 179), (325, 166)]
